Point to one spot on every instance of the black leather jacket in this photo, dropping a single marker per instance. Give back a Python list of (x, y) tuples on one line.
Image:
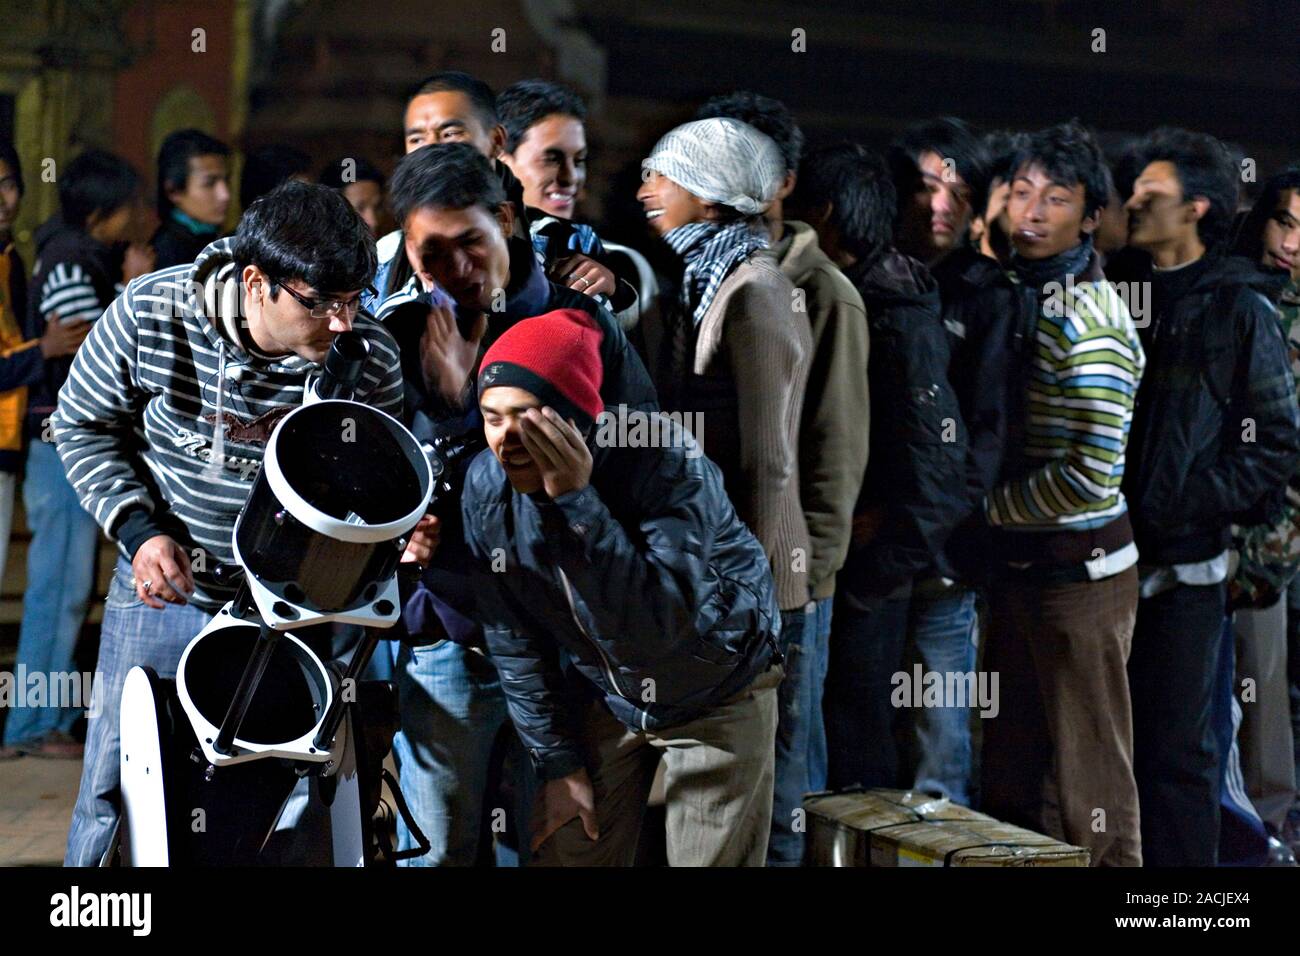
[(1216, 431)]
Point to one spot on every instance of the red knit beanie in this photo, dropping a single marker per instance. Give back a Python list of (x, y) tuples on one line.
[(555, 356)]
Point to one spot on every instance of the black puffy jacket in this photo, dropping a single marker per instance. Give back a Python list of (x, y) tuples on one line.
[(913, 494), (661, 597), (1216, 431)]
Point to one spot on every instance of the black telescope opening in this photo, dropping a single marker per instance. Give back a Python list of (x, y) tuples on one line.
[(350, 463), (288, 701)]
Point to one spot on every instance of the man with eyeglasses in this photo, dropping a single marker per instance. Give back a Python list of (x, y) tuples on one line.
[(164, 419)]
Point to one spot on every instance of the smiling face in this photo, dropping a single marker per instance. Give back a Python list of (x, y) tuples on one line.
[(667, 205), (449, 116), (462, 250), (1282, 234), (503, 408), (1047, 217), (551, 162)]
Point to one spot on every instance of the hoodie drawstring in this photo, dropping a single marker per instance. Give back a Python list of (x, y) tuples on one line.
[(217, 463)]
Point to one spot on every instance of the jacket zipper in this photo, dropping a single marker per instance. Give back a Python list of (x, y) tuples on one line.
[(609, 671)]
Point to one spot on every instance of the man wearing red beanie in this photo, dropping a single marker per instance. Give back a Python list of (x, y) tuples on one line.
[(458, 228), (633, 562)]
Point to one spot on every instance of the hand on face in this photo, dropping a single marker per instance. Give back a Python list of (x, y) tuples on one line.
[(558, 450)]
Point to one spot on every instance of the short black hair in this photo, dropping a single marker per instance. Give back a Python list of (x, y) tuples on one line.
[(174, 161), (1121, 156), (1205, 168), (9, 156), (363, 171), (446, 176), (1001, 147), (528, 102), (769, 116), (1250, 237), (456, 81), (306, 231), (267, 167), (856, 183), (949, 138), (1068, 153), (97, 181)]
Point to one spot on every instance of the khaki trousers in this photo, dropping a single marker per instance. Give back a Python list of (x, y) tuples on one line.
[(718, 785)]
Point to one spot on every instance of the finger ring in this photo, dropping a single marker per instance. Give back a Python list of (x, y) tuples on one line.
[(146, 585), (584, 280)]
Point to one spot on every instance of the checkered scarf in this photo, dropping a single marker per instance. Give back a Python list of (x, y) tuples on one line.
[(711, 250)]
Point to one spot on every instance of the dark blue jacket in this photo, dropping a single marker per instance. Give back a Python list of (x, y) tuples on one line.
[(660, 596)]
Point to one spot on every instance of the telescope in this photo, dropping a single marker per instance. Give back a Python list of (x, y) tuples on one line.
[(254, 719)]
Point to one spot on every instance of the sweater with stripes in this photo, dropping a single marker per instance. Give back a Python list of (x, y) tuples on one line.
[(136, 418), (1085, 366), (74, 278)]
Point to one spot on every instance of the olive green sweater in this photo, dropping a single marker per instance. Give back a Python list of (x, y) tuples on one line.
[(833, 435)]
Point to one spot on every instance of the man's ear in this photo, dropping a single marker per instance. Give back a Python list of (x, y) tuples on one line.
[(505, 215), (498, 141), (1199, 206), (413, 260), (250, 274), (1090, 223), (787, 184)]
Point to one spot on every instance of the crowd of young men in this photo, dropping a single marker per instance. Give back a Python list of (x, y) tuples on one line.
[(985, 411)]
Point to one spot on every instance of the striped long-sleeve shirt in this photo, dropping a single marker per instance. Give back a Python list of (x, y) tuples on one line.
[(137, 416), (1086, 365), (68, 292)]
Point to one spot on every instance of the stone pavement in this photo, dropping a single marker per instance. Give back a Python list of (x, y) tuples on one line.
[(36, 798)]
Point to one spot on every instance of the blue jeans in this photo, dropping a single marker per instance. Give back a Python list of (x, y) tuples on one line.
[(60, 571), (818, 661), (785, 845), (870, 643), (1243, 841), (943, 632), (453, 720), (132, 634)]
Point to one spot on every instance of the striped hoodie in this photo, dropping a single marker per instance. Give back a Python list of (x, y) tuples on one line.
[(136, 419), (1085, 367)]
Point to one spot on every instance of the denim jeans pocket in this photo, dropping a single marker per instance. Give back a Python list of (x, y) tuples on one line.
[(121, 593)]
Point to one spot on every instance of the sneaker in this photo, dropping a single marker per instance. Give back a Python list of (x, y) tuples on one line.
[(57, 745)]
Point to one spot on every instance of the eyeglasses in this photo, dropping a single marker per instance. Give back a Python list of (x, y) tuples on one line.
[(328, 308)]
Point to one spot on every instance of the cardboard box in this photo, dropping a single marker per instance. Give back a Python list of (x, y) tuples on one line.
[(904, 828)]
